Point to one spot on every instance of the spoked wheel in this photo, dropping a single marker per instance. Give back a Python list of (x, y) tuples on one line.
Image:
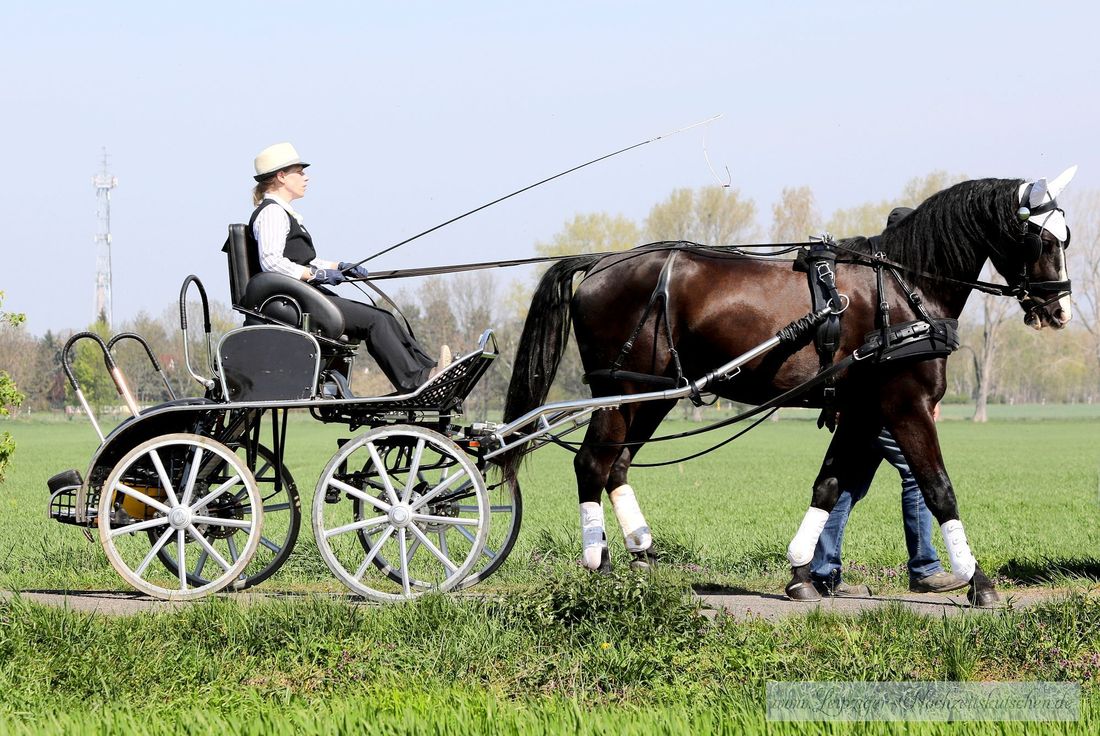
[(282, 512), (506, 510), (400, 511), (194, 494)]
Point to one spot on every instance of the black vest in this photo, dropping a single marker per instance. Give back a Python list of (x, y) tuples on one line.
[(299, 244)]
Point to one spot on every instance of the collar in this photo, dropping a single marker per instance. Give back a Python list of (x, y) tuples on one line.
[(285, 205)]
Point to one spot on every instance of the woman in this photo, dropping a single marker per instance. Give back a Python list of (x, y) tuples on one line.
[(285, 247)]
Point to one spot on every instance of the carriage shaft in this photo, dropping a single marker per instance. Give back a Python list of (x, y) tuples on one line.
[(577, 408)]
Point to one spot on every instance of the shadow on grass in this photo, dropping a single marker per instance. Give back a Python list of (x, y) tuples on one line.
[(1050, 570)]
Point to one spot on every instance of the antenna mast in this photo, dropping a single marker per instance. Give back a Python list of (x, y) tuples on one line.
[(103, 182)]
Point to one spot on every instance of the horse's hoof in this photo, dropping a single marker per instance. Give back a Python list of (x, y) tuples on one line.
[(803, 592), (644, 560), (984, 598)]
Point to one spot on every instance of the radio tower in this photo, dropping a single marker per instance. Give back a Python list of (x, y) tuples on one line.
[(103, 182)]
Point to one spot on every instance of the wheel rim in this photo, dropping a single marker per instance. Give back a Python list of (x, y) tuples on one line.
[(392, 529), (282, 520), (192, 493)]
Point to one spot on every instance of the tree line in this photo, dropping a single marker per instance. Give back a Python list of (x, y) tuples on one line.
[(1001, 360)]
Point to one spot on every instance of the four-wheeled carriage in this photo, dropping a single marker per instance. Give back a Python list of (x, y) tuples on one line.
[(190, 497)]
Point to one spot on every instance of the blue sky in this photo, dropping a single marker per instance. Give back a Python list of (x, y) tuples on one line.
[(414, 112)]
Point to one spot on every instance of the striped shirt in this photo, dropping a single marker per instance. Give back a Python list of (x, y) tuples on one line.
[(270, 230)]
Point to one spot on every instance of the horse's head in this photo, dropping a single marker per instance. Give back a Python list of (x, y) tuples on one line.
[(1035, 265)]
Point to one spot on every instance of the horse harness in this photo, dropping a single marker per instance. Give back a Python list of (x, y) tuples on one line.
[(927, 337)]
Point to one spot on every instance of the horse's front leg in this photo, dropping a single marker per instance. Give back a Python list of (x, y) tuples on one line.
[(916, 434), (849, 463)]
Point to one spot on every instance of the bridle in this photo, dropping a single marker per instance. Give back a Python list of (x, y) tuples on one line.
[(1038, 293)]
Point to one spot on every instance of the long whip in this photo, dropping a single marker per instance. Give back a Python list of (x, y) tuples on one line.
[(532, 186)]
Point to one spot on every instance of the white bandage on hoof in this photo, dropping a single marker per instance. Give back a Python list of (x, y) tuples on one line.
[(963, 563), (635, 530), (801, 549), (593, 540)]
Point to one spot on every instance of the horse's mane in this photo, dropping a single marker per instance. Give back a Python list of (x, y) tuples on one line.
[(954, 230)]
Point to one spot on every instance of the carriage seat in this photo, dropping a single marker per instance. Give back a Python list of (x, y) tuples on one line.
[(275, 295)]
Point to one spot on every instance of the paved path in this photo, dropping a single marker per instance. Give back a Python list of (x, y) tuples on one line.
[(740, 605), (775, 606)]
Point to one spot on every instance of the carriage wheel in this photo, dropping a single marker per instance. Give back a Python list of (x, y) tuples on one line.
[(282, 512), (194, 494), (427, 515)]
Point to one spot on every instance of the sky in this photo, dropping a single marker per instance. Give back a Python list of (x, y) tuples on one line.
[(411, 113)]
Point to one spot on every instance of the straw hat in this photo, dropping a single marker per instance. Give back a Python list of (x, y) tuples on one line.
[(274, 158)]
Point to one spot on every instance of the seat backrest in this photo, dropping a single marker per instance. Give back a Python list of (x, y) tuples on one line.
[(244, 260), (275, 295)]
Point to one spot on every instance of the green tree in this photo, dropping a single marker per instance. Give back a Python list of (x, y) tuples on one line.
[(9, 393), (595, 232), (794, 216), (869, 218), (713, 215), (90, 372)]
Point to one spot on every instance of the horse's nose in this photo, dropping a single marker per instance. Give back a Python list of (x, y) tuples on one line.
[(1061, 317)]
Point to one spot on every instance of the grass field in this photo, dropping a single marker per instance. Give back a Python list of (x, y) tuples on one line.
[(550, 651)]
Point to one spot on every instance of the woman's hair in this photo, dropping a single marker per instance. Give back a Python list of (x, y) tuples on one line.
[(262, 186)]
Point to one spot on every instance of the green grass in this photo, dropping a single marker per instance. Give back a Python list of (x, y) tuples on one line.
[(532, 657), (579, 654), (1028, 493)]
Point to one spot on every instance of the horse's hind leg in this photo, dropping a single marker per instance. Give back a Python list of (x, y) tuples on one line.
[(636, 533), (848, 463), (592, 465)]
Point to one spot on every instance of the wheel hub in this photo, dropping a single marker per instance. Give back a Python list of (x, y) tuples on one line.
[(400, 515), (179, 517)]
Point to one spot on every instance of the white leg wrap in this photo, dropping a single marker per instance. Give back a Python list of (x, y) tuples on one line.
[(801, 549), (963, 563), (635, 530), (592, 534)]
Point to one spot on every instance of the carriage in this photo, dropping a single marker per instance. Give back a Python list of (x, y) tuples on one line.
[(193, 496)]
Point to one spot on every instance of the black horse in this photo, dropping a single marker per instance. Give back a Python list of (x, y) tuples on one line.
[(720, 305)]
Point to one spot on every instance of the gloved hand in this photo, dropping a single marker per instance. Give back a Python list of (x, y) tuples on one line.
[(327, 277), (356, 272)]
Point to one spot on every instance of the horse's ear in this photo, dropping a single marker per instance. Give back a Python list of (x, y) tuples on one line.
[(1038, 193), (1055, 187)]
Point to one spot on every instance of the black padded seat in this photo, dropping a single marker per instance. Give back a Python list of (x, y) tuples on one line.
[(273, 294)]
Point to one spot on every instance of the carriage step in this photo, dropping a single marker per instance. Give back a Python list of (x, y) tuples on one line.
[(62, 505), (64, 478)]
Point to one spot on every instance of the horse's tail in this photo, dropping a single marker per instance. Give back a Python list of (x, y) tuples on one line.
[(545, 335)]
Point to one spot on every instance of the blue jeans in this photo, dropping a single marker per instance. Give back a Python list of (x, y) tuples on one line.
[(916, 518)]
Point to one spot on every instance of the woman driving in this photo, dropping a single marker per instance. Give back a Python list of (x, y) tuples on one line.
[(286, 247)]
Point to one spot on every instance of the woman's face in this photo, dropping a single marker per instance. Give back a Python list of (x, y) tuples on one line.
[(295, 182)]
